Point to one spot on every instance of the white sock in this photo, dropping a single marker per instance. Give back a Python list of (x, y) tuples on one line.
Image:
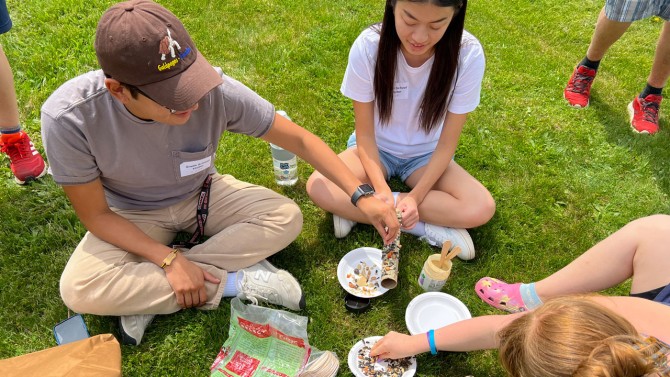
[(231, 290), (419, 229)]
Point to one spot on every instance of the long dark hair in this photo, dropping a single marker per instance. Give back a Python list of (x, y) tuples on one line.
[(442, 74)]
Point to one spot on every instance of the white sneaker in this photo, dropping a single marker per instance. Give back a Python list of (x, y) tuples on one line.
[(342, 226), (326, 365), (437, 235), (265, 282), (132, 327)]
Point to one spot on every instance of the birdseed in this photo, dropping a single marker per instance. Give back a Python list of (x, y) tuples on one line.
[(375, 367)]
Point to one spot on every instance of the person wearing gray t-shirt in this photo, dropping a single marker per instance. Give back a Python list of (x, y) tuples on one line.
[(133, 146)]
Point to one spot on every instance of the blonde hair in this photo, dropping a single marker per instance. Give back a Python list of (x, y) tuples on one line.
[(577, 337)]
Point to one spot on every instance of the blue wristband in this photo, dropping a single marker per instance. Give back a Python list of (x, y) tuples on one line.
[(431, 341)]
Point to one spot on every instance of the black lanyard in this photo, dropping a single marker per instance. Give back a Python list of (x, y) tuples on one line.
[(201, 215)]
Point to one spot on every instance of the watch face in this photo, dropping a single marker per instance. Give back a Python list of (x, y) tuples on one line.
[(362, 190), (366, 189)]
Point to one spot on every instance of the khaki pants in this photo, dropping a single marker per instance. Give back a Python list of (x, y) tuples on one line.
[(246, 224)]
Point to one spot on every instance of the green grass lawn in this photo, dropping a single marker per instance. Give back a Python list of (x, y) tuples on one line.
[(563, 178)]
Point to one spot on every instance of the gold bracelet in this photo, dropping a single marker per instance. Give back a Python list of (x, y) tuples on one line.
[(170, 257)]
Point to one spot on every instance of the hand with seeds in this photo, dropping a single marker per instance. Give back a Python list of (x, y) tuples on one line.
[(395, 345), (408, 207)]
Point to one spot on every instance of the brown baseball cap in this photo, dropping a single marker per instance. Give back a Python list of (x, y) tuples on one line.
[(141, 43)]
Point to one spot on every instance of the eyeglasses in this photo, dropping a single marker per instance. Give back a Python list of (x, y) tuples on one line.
[(132, 87)]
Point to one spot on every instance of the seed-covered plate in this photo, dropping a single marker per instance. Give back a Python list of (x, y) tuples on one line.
[(359, 272), (361, 365)]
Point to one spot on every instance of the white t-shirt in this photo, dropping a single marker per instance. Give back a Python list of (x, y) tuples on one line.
[(403, 137)]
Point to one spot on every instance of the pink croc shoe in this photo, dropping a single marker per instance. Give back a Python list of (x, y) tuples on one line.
[(500, 295)]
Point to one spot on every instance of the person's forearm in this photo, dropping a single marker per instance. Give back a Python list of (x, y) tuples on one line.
[(441, 158), (366, 143), (118, 231), (312, 149), (318, 154), (473, 334), (369, 155), (434, 170)]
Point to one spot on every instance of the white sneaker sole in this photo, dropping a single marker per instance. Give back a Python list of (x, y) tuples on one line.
[(465, 239)]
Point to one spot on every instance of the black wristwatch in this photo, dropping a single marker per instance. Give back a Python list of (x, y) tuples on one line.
[(362, 190)]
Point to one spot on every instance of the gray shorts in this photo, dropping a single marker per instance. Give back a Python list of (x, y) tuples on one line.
[(397, 167), (633, 10)]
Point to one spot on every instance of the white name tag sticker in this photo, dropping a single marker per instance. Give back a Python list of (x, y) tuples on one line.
[(192, 167), (401, 90)]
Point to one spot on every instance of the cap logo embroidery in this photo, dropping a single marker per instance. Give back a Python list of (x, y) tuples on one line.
[(167, 46)]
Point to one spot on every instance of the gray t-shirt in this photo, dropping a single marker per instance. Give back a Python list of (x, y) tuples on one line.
[(88, 134)]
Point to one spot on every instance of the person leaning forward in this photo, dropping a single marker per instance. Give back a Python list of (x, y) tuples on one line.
[(132, 144)]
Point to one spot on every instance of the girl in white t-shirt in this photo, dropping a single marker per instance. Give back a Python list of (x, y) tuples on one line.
[(413, 79)]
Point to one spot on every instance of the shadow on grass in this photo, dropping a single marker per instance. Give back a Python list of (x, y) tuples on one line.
[(615, 120)]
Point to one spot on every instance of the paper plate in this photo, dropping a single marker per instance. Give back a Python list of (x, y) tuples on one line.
[(433, 310), (380, 365), (349, 274)]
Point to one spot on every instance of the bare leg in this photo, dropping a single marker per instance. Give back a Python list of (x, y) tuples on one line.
[(660, 71), (457, 200), (9, 111), (640, 250), (606, 33), (331, 198)]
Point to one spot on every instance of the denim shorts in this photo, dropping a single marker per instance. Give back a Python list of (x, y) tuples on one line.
[(633, 10), (5, 21), (397, 167), (661, 295)]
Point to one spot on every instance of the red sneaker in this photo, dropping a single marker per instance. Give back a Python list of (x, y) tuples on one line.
[(25, 161), (644, 114), (578, 90)]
